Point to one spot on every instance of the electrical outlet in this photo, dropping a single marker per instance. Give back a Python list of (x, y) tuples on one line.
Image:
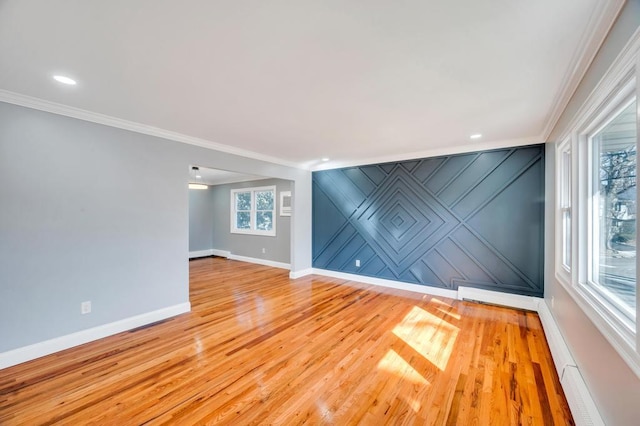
[(264, 250), (85, 307), (358, 263)]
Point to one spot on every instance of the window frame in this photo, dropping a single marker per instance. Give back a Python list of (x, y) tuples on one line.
[(564, 202), (619, 84), (253, 212)]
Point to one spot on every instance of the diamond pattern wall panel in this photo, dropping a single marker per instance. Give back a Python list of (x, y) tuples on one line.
[(472, 220)]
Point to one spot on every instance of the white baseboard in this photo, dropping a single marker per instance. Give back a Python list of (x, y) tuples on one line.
[(559, 350), (221, 253), (498, 298), (301, 273), (583, 407), (211, 252), (37, 350), (229, 255), (200, 253), (265, 262), (434, 291)]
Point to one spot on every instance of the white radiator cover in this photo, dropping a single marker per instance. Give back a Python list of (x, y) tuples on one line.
[(575, 389), (559, 350)]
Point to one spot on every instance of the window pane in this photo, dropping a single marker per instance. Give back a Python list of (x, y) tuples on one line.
[(264, 200), (566, 238), (566, 179), (566, 208), (243, 201), (243, 220), (615, 208), (264, 221)]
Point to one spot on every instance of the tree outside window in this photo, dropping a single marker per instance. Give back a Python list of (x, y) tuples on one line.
[(614, 205), (253, 211)]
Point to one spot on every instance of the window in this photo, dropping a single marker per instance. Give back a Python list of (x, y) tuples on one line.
[(612, 252), (565, 204), (596, 206), (253, 211)]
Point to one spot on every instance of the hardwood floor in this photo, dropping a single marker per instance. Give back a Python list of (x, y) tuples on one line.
[(259, 348)]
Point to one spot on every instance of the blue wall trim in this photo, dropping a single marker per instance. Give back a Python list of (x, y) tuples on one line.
[(474, 220)]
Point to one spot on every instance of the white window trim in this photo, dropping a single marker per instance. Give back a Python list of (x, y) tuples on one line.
[(563, 272), (608, 95), (252, 231)]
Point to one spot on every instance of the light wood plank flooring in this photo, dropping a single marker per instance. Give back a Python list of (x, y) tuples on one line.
[(259, 348)]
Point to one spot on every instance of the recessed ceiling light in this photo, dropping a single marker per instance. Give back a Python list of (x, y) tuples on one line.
[(325, 159), (64, 80), (475, 136)]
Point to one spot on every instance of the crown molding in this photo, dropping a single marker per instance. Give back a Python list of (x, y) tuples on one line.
[(622, 69), (94, 117), (435, 152), (596, 30)]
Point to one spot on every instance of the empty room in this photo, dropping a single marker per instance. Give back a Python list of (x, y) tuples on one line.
[(336, 213)]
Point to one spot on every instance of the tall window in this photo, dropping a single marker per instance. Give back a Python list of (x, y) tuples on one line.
[(596, 210), (253, 211), (565, 204), (613, 209)]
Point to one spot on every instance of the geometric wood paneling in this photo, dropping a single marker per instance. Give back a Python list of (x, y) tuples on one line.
[(474, 220)]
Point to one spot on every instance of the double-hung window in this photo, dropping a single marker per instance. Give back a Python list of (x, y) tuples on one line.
[(596, 207), (253, 211)]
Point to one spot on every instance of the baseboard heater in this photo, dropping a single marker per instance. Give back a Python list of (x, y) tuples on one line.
[(575, 389)]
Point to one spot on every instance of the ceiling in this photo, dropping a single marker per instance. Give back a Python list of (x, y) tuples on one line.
[(295, 81)]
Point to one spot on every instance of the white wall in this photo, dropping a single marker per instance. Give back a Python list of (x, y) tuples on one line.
[(91, 212), (612, 384), (200, 219)]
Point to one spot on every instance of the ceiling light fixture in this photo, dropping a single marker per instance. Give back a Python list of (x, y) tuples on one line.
[(325, 159), (64, 80), (196, 184), (475, 136)]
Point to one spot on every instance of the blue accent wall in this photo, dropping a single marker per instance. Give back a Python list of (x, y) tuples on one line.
[(474, 220)]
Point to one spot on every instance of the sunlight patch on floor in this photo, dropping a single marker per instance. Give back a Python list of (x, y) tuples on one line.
[(429, 335), (394, 363)]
